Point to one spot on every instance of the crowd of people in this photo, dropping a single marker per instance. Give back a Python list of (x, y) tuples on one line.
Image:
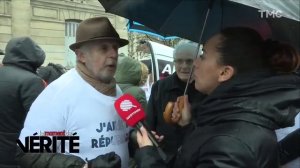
[(242, 89)]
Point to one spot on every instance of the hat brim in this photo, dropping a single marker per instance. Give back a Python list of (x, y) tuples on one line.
[(122, 42)]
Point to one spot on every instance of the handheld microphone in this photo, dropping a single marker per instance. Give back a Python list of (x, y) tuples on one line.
[(130, 110)]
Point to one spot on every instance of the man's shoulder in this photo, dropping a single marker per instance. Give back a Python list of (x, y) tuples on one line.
[(169, 78), (19, 74), (166, 81), (66, 82), (70, 75), (135, 90), (131, 89)]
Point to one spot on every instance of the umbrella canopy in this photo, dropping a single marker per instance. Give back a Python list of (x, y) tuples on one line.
[(139, 28), (287, 8), (185, 18)]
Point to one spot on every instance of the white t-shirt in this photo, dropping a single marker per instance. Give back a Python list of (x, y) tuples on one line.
[(281, 133), (70, 104)]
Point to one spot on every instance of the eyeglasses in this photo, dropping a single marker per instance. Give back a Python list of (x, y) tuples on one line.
[(181, 61)]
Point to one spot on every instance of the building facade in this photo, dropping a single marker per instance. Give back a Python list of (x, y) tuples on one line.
[(52, 24)]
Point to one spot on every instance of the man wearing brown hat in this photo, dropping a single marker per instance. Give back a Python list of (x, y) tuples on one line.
[(80, 103)]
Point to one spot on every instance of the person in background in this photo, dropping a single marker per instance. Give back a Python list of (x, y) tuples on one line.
[(51, 72), (19, 87), (130, 75), (168, 89), (252, 91), (81, 103)]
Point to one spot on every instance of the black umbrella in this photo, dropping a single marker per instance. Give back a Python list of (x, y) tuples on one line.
[(133, 26), (185, 18)]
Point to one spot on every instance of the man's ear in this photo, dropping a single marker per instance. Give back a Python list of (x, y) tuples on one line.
[(226, 73), (80, 55)]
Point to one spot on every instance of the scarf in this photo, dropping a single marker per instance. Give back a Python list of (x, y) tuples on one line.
[(108, 89)]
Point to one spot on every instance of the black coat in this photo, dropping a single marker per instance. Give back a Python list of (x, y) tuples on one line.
[(290, 147), (19, 87), (163, 91), (235, 125)]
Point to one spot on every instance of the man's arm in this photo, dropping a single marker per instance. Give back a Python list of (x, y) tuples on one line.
[(48, 160), (46, 114), (58, 160)]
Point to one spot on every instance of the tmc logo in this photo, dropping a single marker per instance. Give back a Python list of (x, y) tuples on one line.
[(270, 14)]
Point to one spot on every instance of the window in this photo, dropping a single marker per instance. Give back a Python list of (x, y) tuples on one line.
[(70, 38)]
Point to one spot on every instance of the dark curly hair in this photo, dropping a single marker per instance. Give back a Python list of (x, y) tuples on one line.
[(245, 50), (51, 72)]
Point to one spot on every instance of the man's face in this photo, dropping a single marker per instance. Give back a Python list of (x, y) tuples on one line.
[(101, 59), (183, 64)]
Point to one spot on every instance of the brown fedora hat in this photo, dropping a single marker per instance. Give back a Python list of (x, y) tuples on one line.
[(98, 28)]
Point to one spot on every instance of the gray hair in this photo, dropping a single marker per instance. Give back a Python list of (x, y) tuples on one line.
[(185, 45), (85, 48)]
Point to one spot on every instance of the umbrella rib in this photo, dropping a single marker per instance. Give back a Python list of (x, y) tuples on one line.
[(197, 51)]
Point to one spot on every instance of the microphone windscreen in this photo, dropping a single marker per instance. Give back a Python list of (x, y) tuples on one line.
[(129, 109)]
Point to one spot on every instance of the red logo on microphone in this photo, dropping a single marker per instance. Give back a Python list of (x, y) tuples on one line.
[(129, 109)]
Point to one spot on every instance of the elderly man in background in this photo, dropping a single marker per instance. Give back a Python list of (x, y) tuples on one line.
[(168, 89)]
